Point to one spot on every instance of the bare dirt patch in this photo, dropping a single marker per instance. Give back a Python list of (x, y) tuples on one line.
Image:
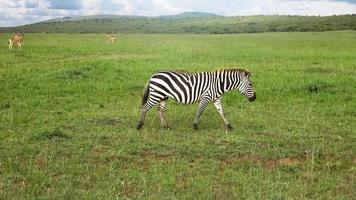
[(41, 162), (257, 160), (240, 159), (283, 162), (151, 155), (128, 188)]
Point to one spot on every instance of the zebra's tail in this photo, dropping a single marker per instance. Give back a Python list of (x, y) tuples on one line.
[(146, 93)]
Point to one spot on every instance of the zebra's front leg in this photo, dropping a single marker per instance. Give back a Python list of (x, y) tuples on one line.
[(219, 107), (201, 108), (145, 108), (162, 113)]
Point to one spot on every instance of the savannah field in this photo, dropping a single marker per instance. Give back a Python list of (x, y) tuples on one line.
[(69, 104)]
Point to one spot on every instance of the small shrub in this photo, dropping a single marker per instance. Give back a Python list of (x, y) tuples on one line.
[(75, 73), (318, 70), (107, 121), (320, 86), (5, 105), (49, 135)]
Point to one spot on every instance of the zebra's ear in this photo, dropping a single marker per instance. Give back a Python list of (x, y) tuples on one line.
[(247, 74)]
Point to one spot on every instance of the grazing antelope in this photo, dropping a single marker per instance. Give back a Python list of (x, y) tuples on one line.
[(188, 88), (16, 39), (110, 38)]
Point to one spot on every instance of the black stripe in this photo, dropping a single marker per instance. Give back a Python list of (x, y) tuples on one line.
[(200, 81), (169, 83), (160, 93), (221, 82), (228, 83), (160, 86), (184, 78), (179, 83)]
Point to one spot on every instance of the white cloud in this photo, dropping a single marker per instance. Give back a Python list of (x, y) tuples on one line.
[(292, 7), (18, 12)]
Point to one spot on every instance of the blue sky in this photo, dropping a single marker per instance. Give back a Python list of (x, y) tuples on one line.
[(19, 12)]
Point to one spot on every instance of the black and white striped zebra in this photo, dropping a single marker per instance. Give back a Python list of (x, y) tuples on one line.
[(188, 88)]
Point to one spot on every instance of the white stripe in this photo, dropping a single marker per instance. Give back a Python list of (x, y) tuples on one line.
[(176, 87), (187, 98), (164, 84)]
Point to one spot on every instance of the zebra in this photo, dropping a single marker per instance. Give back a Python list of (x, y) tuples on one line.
[(189, 88)]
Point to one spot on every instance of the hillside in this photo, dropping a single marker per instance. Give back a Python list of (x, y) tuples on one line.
[(191, 22)]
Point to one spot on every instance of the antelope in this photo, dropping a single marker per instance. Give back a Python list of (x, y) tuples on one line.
[(110, 38), (16, 39)]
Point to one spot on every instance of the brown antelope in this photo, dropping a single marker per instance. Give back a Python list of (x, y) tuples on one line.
[(110, 38), (16, 39)]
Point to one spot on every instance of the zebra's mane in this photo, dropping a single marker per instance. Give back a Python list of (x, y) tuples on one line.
[(238, 70)]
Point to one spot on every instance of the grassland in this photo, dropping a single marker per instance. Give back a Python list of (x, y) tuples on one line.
[(69, 104)]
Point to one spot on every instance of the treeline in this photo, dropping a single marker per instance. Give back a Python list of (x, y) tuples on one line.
[(192, 24)]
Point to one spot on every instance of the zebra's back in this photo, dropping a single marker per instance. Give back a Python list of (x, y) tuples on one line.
[(184, 87)]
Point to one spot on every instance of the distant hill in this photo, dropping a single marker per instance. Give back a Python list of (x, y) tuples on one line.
[(191, 15), (188, 22), (90, 17)]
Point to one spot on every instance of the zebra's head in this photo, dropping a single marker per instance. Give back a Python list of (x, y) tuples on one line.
[(245, 86)]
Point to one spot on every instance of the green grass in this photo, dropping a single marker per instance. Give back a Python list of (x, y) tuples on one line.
[(69, 104)]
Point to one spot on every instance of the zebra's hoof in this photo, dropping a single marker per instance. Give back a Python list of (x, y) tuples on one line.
[(195, 126), (229, 127), (165, 127), (139, 126)]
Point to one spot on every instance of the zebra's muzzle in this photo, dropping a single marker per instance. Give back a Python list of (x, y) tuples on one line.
[(252, 98)]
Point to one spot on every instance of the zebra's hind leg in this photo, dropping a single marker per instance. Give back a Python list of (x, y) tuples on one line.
[(202, 105), (219, 107), (162, 113)]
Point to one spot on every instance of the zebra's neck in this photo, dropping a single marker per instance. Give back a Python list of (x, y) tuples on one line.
[(226, 81)]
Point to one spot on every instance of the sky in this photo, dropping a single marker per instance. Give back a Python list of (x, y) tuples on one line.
[(20, 12)]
